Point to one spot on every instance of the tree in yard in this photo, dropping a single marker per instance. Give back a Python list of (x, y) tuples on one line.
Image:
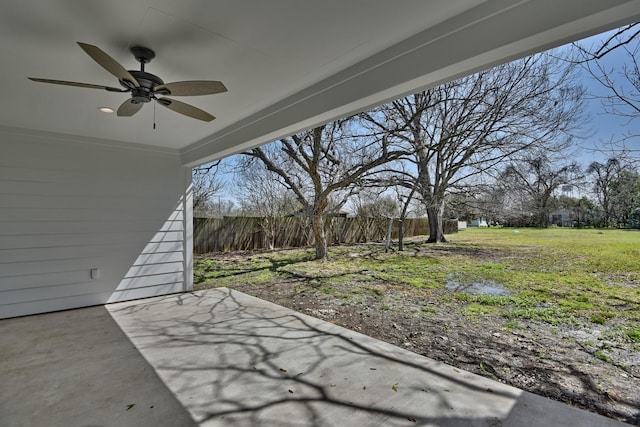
[(329, 161), (378, 209), (373, 205), (206, 183), (625, 197), (491, 202), (261, 194), (536, 179), (603, 175), (463, 128), (459, 205), (392, 181)]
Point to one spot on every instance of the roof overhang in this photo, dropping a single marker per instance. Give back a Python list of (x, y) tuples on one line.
[(289, 65)]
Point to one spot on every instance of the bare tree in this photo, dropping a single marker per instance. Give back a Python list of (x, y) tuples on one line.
[(537, 178), (622, 82), (324, 163), (375, 206), (396, 179), (206, 183), (463, 128), (491, 202), (603, 176), (473, 202), (370, 204), (617, 189), (261, 194), (625, 194)]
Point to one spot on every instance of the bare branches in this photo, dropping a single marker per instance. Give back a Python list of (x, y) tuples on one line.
[(209, 168), (206, 184), (463, 128), (326, 165), (531, 183), (621, 82), (620, 38)]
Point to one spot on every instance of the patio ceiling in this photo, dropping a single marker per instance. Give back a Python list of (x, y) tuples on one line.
[(288, 64)]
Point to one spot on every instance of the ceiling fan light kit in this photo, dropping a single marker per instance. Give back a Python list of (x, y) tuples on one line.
[(144, 86)]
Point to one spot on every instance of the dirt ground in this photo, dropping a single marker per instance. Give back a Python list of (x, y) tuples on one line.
[(550, 361)]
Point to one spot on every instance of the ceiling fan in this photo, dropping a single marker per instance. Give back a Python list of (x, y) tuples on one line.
[(145, 86)]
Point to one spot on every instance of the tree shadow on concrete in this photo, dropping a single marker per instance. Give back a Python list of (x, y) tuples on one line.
[(232, 359), (250, 363)]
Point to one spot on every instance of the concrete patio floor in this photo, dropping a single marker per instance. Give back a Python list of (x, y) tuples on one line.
[(223, 358)]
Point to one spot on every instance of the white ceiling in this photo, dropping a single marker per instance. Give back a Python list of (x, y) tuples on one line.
[(288, 64)]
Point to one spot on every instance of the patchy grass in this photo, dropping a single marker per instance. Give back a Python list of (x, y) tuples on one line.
[(558, 276), (600, 354), (633, 334), (231, 270)]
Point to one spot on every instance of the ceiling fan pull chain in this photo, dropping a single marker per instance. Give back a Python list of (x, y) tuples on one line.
[(154, 115)]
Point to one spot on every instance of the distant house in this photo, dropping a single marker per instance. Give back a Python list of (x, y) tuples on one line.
[(562, 217), (478, 222)]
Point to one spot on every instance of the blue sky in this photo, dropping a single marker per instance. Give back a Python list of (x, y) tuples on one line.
[(605, 126)]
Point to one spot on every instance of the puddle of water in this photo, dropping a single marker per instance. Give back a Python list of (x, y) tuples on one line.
[(484, 287)]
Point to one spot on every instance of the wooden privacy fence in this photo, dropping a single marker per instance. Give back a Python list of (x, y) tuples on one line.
[(251, 233)]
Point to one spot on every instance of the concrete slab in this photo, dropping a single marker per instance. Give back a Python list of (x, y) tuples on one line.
[(234, 360), (77, 368)]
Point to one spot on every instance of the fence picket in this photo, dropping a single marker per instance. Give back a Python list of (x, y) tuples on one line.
[(252, 233)]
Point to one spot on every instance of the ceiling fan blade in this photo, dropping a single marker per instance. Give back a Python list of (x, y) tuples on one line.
[(108, 63), (87, 85), (186, 109), (192, 88), (128, 108)]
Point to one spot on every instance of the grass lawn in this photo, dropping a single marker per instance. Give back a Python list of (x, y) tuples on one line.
[(554, 275)]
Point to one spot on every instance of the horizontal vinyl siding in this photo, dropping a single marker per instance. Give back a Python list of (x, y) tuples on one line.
[(159, 269), (68, 206), (47, 227), (41, 305)]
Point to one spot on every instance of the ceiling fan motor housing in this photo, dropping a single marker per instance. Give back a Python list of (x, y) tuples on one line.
[(144, 93), (147, 81)]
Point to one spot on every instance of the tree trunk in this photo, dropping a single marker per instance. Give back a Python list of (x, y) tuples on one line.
[(320, 237), (387, 244), (268, 224), (543, 219), (403, 215), (436, 229)]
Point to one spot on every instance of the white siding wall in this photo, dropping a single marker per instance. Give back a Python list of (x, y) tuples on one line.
[(68, 206)]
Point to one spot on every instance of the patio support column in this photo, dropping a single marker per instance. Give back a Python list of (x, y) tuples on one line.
[(188, 230)]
